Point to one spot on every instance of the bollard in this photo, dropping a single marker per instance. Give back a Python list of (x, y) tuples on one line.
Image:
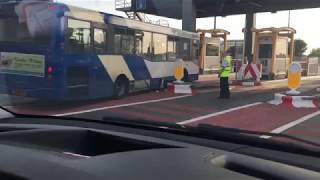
[(294, 78), (179, 71)]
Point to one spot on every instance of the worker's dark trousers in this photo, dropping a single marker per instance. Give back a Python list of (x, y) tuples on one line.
[(224, 87)]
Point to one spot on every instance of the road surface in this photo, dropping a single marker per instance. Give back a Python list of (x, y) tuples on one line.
[(247, 109)]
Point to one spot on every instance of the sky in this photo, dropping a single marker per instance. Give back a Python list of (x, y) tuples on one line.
[(306, 22)]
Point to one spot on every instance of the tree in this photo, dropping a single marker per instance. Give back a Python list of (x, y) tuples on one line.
[(315, 53), (300, 47)]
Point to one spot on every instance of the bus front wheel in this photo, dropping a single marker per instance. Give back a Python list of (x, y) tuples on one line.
[(121, 87)]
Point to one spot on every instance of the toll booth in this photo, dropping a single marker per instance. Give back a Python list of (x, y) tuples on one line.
[(210, 49), (273, 48)]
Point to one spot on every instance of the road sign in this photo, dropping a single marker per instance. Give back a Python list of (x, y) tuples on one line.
[(141, 4)]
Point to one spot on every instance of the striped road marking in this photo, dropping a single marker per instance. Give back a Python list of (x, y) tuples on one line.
[(292, 124), (122, 105), (218, 113)]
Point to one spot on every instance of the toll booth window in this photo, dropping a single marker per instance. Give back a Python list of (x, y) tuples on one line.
[(172, 49), (212, 50), (282, 48), (123, 41), (265, 51), (78, 37), (184, 49), (160, 47), (100, 41)]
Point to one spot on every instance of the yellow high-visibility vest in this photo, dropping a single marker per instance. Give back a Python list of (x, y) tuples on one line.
[(226, 67)]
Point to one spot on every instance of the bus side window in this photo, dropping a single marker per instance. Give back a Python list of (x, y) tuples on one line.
[(78, 37), (172, 49), (147, 45), (184, 51), (118, 33), (159, 47), (127, 42), (139, 42), (195, 50), (124, 41), (100, 41)]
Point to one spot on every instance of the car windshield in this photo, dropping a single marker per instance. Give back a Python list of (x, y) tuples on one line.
[(103, 59)]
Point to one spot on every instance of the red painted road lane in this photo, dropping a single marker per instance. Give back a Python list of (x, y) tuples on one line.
[(163, 112), (140, 115), (65, 107), (263, 117), (192, 108)]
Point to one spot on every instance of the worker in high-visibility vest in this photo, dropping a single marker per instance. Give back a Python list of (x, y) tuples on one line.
[(225, 71)]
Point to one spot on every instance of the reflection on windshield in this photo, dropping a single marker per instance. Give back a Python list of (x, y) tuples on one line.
[(61, 60)]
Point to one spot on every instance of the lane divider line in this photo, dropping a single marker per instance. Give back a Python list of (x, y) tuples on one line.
[(122, 105), (218, 113), (292, 124)]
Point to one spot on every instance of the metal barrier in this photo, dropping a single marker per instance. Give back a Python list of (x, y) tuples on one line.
[(123, 4), (313, 66), (310, 66), (126, 6), (236, 64)]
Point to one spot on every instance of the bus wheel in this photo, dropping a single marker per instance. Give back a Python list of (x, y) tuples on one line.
[(121, 87), (185, 76)]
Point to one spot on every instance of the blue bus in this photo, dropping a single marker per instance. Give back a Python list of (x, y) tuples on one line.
[(57, 51)]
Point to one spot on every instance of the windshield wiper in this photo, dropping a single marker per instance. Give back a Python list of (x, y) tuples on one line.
[(211, 129)]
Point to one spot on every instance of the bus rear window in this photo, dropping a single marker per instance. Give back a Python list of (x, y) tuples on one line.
[(28, 22), (11, 30)]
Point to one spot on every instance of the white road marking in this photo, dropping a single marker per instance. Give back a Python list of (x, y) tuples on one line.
[(292, 124), (218, 113), (121, 105)]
